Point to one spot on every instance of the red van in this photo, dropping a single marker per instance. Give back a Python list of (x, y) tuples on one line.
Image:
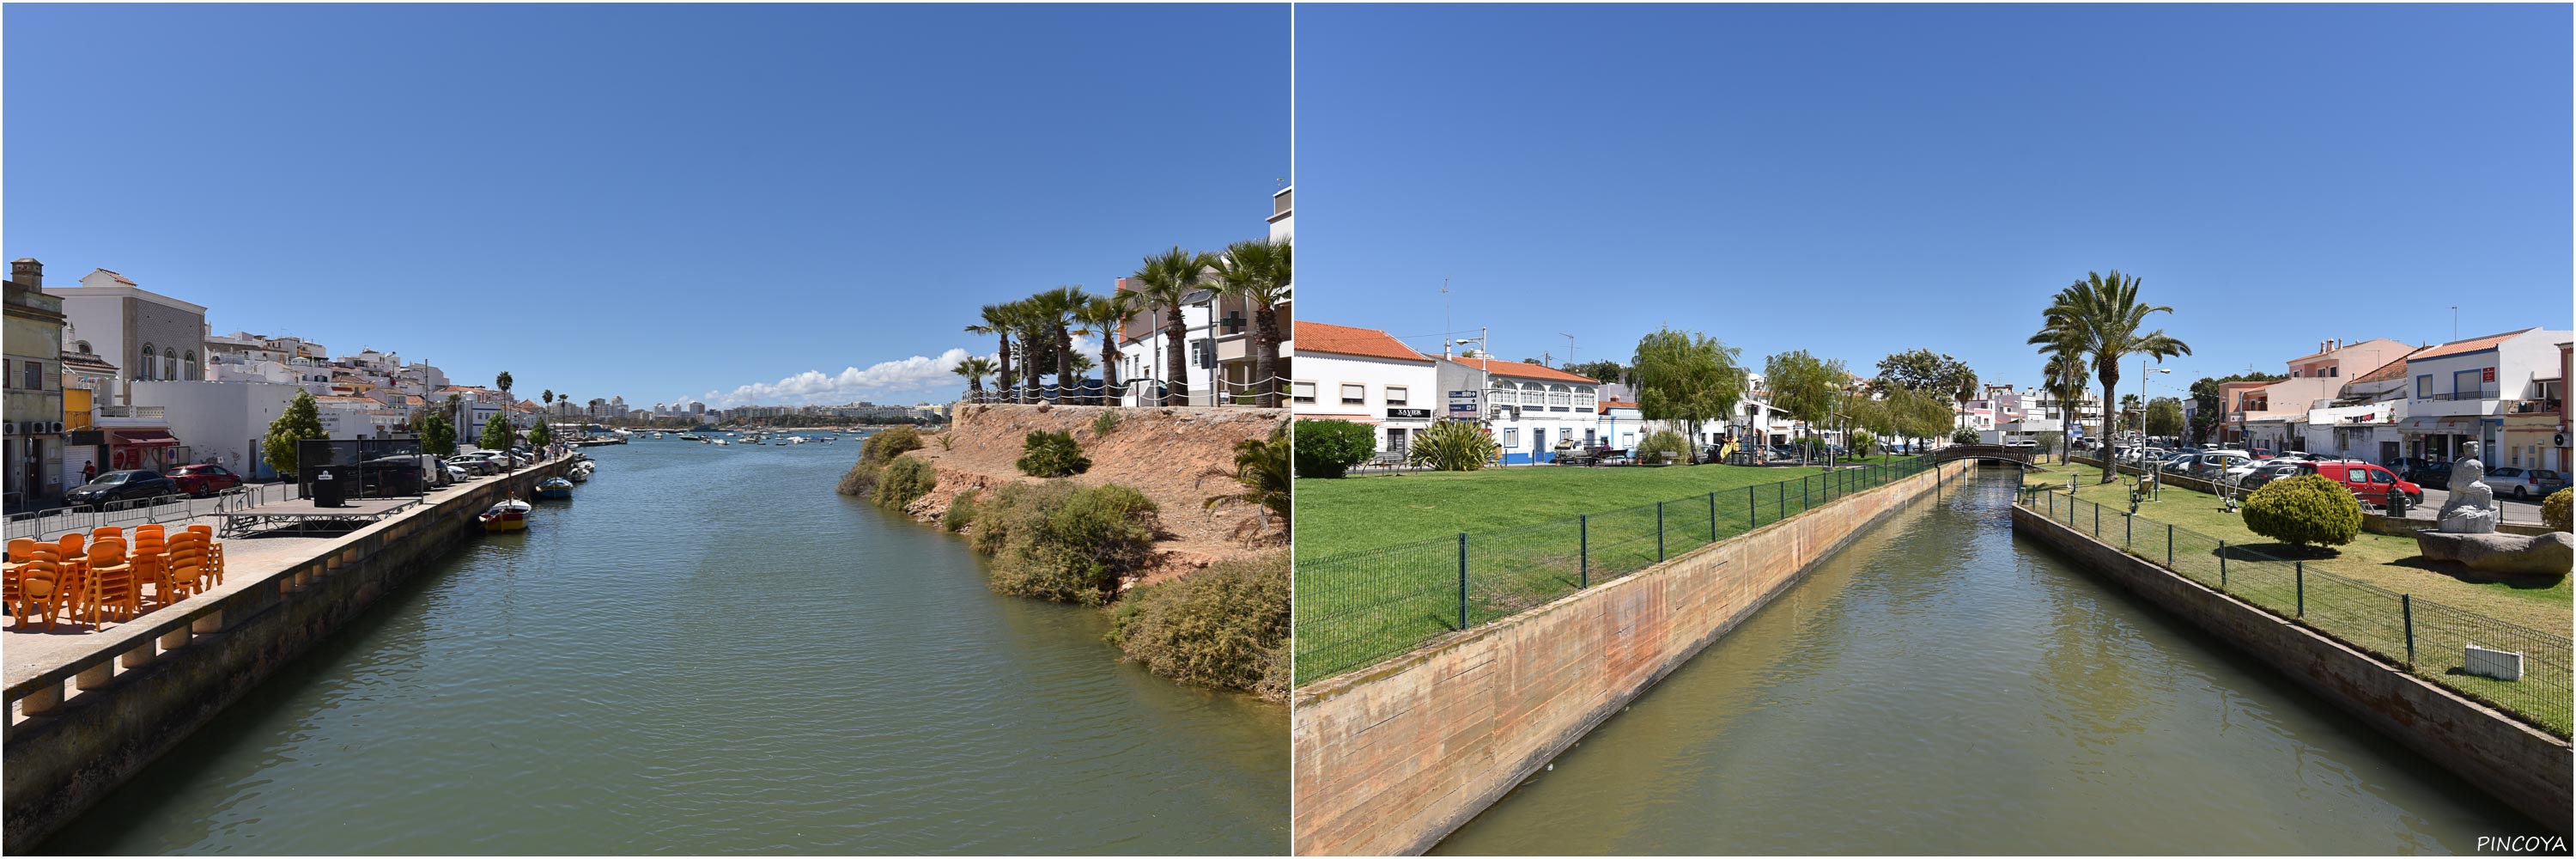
[(2368, 482)]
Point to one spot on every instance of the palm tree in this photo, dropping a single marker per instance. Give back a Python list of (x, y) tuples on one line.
[(2102, 316), (1104, 316), (549, 397), (1257, 272), (1169, 278), (1036, 338), (997, 321), (1967, 389), (975, 369), (503, 382), (1054, 310), (2065, 374), (1262, 468)]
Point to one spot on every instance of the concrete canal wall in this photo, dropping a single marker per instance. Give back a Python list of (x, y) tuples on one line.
[(1392, 758), (2526, 769), (183, 665)]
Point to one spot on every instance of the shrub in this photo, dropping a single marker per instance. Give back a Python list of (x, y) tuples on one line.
[(1863, 442), (862, 477), (1224, 626), (947, 440), (1052, 454), (1454, 446), (903, 482), (883, 447), (1066, 543), (2308, 509), (960, 515), (1106, 423), (2553, 511), (1964, 435), (1663, 446), (1328, 449)]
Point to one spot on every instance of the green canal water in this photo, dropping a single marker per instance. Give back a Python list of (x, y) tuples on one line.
[(707, 651), (1942, 687)]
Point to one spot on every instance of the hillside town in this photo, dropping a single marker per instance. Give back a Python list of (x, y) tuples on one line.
[(106, 375)]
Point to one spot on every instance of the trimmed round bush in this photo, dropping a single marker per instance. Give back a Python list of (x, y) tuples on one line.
[(1328, 449), (2553, 512), (2306, 510), (1052, 454), (1663, 446)]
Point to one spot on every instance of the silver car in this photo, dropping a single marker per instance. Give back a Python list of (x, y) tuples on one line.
[(2525, 483)]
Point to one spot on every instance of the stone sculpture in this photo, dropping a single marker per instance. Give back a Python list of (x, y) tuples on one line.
[(2471, 508)]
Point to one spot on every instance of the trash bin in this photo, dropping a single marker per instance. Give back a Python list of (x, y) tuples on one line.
[(327, 492)]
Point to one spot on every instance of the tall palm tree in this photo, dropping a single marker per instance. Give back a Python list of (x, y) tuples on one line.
[(975, 369), (2065, 374), (1168, 278), (549, 397), (1036, 338), (503, 382), (1967, 389), (997, 321), (1257, 271), (2102, 315), (1104, 316), (1054, 309)]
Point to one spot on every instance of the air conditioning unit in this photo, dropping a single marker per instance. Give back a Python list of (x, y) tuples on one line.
[(56, 427)]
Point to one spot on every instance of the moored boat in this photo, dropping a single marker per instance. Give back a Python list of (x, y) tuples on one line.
[(554, 488), (509, 515)]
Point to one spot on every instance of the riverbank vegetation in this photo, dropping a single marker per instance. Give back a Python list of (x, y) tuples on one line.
[(1224, 626), (1337, 516), (875, 455), (1066, 543), (1052, 454)]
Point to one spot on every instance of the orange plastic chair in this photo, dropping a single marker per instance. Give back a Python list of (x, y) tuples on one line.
[(105, 531), (214, 551), (185, 569), (39, 591), (18, 549), (71, 544), (72, 588), (113, 591)]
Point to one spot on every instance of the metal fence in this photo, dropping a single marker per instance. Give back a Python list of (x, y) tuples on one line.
[(1359, 608), (1146, 392), (2426, 637), (145, 511)]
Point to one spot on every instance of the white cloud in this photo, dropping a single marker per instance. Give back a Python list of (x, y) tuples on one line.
[(910, 375)]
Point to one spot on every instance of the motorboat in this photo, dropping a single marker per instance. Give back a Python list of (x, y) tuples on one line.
[(554, 489), (509, 515)]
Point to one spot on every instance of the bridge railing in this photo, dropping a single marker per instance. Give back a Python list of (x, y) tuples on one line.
[(2419, 635), (1356, 609)]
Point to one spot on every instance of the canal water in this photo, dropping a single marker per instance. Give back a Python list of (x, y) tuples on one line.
[(1942, 687), (708, 651)]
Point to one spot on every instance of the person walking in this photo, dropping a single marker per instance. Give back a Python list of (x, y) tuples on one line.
[(89, 471)]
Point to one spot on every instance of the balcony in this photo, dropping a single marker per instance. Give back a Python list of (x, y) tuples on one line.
[(2533, 407)]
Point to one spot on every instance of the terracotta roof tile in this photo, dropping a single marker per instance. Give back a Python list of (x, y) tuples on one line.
[(1345, 340), (2470, 345), (1514, 369)]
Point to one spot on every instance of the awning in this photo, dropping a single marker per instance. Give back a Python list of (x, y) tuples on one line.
[(141, 438), (2439, 426)]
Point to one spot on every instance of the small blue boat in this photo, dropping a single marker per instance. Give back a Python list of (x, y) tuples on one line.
[(554, 488)]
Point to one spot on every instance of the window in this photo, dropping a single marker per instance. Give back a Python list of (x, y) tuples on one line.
[(1353, 395), (2334, 372), (190, 373), (35, 375), (1301, 392), (1397, 395), (1202, 356), (2464, 384), (2423, 387), (1511, 437), (149, 369), (169, 363)]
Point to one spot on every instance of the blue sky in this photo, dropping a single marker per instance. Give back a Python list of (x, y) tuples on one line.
[(1857, 181), (654, 202)]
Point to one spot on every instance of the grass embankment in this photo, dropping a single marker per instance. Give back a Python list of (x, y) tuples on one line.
[(2393, 563), (1355, 513)]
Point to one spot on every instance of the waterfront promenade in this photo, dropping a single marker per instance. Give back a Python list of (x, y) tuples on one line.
[(89, 705)]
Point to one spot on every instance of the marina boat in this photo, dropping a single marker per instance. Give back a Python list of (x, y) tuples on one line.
[(509, 515), (690, 436), (554, 488)]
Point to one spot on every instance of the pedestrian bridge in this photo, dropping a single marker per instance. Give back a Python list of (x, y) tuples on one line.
[(1989, 452)]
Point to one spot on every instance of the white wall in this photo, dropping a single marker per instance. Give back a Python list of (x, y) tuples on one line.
[(219, 419), (1329, 372)]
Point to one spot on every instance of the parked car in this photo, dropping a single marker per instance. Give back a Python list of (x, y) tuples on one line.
[(2255, 476), (203, 479), (456, 473), (2525, 483), (129, 485), (2430, 474), (2372, 484)]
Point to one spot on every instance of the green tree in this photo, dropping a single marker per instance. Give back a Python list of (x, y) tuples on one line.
[(2103, 316), (2164, 416), (1606, 372), (2063, 379), (437, 433), (1327, 449), (1261, 469), (1167, 279), (1920, 370), (1257, 272), (541, 435), (1686, 378), (1054, 310), (503, 382), (2207, 411), (1805, 386), (302, 421), (498, 434), (997, 321), (1103, 316), (975, 369)]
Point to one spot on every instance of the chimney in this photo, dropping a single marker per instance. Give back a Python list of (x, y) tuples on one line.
[(26, 271)]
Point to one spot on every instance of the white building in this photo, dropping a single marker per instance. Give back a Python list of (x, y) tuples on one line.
[(147, 335), (1528, 407), (2462, 391), (222, 423), (1366, 376)]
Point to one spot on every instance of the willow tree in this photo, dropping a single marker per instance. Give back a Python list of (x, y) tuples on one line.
[(1686, 378), (1805, 386)]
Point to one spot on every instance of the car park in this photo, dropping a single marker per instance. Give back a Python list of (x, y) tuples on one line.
[(2371, 483), (203, 479)]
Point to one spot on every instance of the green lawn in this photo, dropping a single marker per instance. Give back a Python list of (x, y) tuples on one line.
[(2314, 585), (1355, 513)]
